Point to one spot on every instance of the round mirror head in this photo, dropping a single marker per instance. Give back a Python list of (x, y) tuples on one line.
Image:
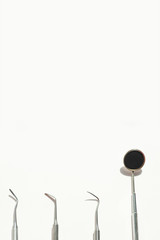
[(134, 160)]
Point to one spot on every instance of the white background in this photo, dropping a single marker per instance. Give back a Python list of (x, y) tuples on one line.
[(79, 88)]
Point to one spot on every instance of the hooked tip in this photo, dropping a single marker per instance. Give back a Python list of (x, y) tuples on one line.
[(50, 197), (13, 196), (96, 198)]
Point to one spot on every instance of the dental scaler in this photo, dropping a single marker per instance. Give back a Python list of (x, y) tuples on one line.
[(55, 224), (96, 234), (15, 226)]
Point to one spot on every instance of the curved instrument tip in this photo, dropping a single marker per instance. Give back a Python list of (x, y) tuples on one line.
[(13, 196), (96, 198), (50, 197)]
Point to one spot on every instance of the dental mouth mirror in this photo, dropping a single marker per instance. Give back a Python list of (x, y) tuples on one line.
[(134, 161), (96, 234), (55, 224), (15, 226)]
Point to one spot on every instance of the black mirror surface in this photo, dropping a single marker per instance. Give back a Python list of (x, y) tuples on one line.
[(134, 160)]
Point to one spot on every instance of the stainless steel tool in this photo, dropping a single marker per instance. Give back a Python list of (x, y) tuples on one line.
[(96, 234), (134, 161), (54, 235), (15, 226)]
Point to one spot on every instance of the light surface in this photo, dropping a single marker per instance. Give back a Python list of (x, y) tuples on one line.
[(79, 88)]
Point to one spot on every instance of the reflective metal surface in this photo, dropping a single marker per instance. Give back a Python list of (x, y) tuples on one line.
[(15, 226), (54, 234)]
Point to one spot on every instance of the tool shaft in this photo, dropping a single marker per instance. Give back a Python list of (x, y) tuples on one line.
[(134, 216), (96, 235), (14, 233), (55, 232)]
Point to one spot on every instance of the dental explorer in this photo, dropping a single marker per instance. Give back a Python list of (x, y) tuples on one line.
[(134, 161), (54, 235), (96, 234), (15, 226)]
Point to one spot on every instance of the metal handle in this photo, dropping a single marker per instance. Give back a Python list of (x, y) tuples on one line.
[(134, 226), (134, 217), (96, 235), (55, 232), (14, 233)]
